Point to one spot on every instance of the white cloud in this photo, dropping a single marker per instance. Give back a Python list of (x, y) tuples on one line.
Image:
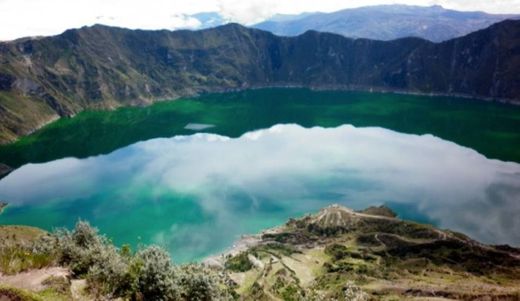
[(285, 170), (248, 12), (20, 18)]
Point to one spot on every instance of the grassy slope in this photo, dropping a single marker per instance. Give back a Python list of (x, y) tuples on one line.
[(48, 294), (15, 245), (386, 258), (19, 235), (14, 294), (15, 258), (19, 108)]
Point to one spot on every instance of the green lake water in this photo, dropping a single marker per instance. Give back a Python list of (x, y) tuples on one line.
[(267, 155), (492, 129)]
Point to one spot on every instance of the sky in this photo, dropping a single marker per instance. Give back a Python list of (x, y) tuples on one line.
[(20, 18)]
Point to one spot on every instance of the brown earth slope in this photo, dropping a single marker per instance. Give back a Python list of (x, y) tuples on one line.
[(340, 254)]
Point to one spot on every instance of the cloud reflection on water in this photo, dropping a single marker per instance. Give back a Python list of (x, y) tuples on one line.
[(260, 179)]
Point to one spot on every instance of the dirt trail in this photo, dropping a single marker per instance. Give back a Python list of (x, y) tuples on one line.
[(32, 280)]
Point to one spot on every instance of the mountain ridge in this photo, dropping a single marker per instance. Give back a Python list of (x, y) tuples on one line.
[(388, 22), (102, 67)]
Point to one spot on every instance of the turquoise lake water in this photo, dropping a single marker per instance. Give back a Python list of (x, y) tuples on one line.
[(195, 194)]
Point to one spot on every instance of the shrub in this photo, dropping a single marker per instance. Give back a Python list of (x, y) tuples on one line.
[(156, 275), (92, 255), (199, 283), (59, 284), (82, 248), (239, 263), (352, 292), (109, 275), (112, 273), (337, 251)]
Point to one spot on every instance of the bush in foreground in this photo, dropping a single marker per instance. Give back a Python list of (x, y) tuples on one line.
[(156, 276), (149, 274)]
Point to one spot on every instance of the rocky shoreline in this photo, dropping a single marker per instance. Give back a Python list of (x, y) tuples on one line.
[(4, 170), (244, 243)]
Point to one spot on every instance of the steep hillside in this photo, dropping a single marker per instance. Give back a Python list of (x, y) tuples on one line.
[(339, 254), (104, 67), (388, 22)]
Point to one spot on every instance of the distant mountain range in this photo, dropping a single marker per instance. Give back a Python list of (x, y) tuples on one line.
[(209, 19), (389, 22), (105, 67), (382, 22), (213, 19)]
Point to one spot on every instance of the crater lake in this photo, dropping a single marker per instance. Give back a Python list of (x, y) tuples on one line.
[(195, 174)]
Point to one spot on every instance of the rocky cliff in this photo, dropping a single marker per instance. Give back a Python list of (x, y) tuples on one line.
[(42, 79)]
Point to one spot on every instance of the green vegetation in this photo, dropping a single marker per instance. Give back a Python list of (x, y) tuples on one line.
[(337, 251), (16, 249), (239, 263), (374, 257), (58, 290), (381, 211), (487, 127), (13, 294), (148, 274), (57, 286), (17, 259)]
